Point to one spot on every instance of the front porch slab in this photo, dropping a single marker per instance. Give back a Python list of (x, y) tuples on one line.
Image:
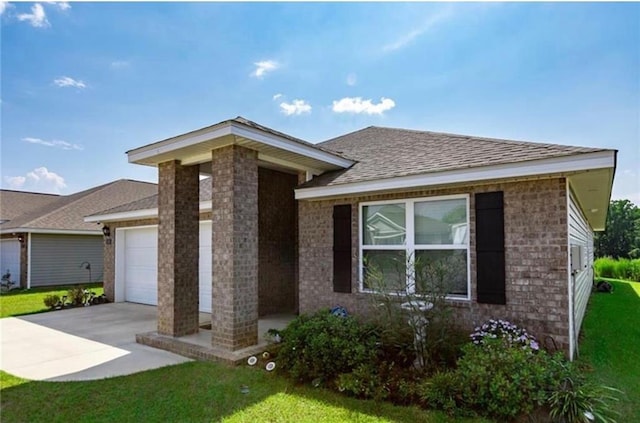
[(198, 345)]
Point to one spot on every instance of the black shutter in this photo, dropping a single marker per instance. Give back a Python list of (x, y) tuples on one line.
[(342, 248), (490, 266)]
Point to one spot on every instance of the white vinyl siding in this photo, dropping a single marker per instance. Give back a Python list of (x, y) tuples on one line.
[(581, 236), (57, 259)]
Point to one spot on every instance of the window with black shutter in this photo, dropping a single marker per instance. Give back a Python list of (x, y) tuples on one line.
[(342, 248), (490, 264)]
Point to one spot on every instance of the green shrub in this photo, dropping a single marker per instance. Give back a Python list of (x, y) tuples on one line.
[(322, 346), (494, 379), (51, 301), (76, 295), (381, 381), (576, 400), (442, 391), (607, 267)]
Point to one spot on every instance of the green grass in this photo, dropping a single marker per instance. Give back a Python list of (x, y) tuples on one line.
[(18, 302), (611, 343), (193, 392)]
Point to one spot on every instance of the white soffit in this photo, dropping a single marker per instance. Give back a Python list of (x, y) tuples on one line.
[(558, 165)]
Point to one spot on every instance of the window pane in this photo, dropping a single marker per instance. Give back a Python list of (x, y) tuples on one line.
[(385, 270), (441, 271), (384, 224), (441, 222)]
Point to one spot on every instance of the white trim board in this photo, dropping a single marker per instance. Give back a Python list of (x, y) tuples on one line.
[(235, 129), (582, 162), (137, 214), (51, 231)]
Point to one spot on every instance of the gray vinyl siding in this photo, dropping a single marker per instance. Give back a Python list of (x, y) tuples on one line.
[(56, 259), (580, 233)]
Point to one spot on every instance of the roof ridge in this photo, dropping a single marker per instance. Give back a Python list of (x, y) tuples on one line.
[(31, 192)]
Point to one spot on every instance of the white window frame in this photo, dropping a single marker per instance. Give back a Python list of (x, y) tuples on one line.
[(409, 245)]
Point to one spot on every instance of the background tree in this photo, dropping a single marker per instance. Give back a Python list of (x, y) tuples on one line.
[(622, 235)]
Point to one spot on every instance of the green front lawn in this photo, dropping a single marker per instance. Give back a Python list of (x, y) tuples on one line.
[(610, 343), (18, 302), (193, 392)]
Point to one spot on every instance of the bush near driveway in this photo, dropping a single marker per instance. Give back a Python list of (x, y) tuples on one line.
[(19, 302)]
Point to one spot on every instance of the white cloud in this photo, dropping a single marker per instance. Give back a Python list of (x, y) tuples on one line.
[(119, 64), (408, 37), (15, 182), (39, 179), (276, 96), (297, 107), (62, 5), (352, 79), (65, 81), (358, 105), (263, 67), (37, 18), (4, 5), (54, 143)]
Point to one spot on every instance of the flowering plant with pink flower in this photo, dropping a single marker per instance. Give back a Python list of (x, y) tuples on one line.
[(506, 331)]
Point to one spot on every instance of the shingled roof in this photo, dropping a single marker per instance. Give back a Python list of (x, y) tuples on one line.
[(151, 202), (66, 213), (389, 152), (16, 203)]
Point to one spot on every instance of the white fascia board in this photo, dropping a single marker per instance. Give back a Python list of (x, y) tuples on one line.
[(586, 161), (146, 152), (137, 214), (51, 231), (240, 131), (289, 145)]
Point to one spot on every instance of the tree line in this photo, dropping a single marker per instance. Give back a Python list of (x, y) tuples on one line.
[(621, 238)]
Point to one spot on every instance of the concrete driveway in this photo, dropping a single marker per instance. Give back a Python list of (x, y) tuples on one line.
[(81, 343)]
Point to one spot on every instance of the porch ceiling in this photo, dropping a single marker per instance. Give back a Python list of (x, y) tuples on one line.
[(195, 147), (592, 189)]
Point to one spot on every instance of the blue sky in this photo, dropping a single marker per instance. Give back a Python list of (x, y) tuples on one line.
[(84, 82)]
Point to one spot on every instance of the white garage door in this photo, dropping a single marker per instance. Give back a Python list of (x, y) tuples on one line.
[(10, 259), (138, 251), (140, 265)]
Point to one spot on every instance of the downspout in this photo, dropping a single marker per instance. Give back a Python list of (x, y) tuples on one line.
[(29, 260)]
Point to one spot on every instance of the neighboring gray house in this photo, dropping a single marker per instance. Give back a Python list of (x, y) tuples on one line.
[(44, 239), (283, 225)]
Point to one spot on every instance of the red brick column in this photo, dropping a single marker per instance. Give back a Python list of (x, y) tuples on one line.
[(234, 179), (178, 241)]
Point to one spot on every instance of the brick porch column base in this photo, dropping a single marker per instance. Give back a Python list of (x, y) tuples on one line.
[(234, 320), (178, 252)]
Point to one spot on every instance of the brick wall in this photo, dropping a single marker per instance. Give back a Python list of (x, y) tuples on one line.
[(178, 233), (536, 257), (235, 247), (276, 242)]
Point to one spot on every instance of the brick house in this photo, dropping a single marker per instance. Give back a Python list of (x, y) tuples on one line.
[(44, 240), (280, 225)]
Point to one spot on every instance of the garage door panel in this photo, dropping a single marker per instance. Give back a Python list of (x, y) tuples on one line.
[(140, 257), (141, 260), (205, 265)]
